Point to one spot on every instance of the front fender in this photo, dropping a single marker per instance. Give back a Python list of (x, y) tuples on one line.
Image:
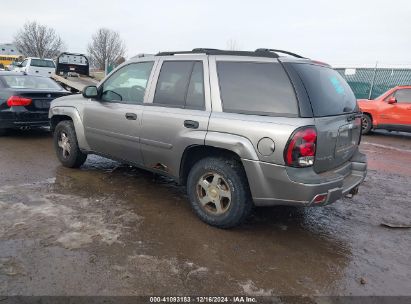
[(78, 123)]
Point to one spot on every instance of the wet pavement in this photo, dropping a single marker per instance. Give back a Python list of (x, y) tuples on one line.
[(110, 229)]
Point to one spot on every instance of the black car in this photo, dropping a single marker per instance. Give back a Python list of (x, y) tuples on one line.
[(25, 100)]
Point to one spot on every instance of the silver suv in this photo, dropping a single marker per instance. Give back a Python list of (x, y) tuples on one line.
[(237, 128)]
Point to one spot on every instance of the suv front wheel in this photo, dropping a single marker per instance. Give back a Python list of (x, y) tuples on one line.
[(366, 124), (219, 192), (66, 146)]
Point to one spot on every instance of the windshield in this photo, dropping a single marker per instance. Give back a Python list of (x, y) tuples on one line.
[(329, 93), (30, 82), (42, 63)]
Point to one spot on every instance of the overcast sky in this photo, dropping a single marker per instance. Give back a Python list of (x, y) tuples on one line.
[(350, 31)]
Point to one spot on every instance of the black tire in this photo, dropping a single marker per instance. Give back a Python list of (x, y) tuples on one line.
[(74, 158), (234, 179), (366, 124), (3, 132)]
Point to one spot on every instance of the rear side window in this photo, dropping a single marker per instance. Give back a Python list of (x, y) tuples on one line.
[(403, 96), (41, 63), (329, 93), (180, 84), (256, 88)]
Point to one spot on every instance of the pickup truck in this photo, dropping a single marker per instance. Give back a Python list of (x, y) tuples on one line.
[(390, 111)]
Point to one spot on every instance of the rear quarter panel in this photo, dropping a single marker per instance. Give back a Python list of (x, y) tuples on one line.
[(254, 128)]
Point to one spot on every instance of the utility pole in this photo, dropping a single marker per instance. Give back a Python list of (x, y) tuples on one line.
[(373, 80)]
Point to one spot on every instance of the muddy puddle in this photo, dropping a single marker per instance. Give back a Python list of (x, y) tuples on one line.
[(110, 229)]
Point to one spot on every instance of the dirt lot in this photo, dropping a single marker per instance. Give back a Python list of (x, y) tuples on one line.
[(109, 229)]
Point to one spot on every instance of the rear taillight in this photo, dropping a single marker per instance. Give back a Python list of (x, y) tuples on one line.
[(18, 101), (300, 150)]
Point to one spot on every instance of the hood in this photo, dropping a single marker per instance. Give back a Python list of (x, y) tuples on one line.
[(67, 100)]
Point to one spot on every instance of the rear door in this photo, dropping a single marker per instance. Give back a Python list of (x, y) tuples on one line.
[(336, 114), (177, 114), (113, 122)]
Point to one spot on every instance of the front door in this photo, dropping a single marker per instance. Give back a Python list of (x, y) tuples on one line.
[(112, 122), (398, 115)]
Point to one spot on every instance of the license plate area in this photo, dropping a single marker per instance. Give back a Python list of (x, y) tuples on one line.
[(42, 104), (345, 140)]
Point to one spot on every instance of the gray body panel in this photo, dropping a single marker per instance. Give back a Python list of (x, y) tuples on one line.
[(337, 141), (158, 138), (165, 138), (108, 132)]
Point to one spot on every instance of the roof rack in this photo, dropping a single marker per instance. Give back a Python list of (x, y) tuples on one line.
[(208, 51), (280, 51), (261, 52)]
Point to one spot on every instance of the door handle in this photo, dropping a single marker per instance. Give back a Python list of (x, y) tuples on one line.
[(131, 116), (191, 124)]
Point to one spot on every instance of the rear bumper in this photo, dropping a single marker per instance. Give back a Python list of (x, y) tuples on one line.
[(15, 120), (272, 184)]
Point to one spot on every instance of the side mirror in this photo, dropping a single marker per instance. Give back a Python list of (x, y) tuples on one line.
[(392, 100), (90, 92), (20, 65)]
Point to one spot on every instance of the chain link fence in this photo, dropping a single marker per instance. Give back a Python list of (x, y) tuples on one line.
[(369, 83)]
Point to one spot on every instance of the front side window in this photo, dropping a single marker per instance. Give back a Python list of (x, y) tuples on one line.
[(181, 84), (256, 88), (128, 84), (403, 96), (24, 63)]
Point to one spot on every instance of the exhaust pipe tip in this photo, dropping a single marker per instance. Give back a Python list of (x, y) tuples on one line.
[(353, 191)]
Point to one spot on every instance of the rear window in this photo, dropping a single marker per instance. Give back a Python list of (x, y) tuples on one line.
[(42, 63), (329, 93), (30, 82), (256, 88)]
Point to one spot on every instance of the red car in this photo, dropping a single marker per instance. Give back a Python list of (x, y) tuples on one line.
[(390, 111)]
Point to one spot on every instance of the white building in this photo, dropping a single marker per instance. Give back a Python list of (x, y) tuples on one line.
[(8, 49)]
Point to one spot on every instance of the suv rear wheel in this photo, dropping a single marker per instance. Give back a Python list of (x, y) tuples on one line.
[(219, 192), (66, 146)]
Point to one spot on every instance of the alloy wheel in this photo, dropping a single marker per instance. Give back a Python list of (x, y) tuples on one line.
[(364, 124), (64, 144), (214, 193)]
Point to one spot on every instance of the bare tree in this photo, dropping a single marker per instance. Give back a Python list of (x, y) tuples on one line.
[(233, 45), (36, 40), (105, 45)]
